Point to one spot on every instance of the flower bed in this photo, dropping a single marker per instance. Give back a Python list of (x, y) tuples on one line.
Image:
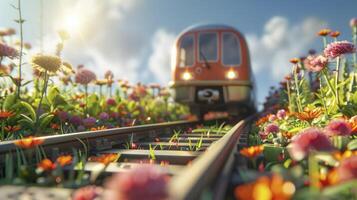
[(304, 145)]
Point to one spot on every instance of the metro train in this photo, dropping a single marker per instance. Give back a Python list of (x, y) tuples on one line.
[(211, 70)]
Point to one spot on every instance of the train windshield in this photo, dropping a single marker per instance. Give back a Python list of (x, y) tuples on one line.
[(187, 51), (208, 47), (231, 50)]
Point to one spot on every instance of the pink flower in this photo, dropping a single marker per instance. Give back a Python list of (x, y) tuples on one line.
[(311, 139), (353, 22), (111, 102), (7, 51), (336, 49), (144, 182), (84, 76), (86, 193), (315, 63), (281, 114), (104, 116), (271, 128), (347, 170), (338, 127), (263, 135)]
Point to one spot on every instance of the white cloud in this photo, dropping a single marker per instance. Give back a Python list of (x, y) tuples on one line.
[(159, 60), (279, 42)]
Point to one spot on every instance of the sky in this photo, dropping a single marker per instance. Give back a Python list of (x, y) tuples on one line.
[(134, 38)]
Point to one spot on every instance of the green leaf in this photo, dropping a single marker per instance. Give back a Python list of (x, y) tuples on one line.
[(45, 121), (29, 109), (352, 145), (9, 102), (53, 92)]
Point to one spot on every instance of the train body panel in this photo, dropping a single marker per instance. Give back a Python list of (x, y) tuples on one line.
[(211, 70)]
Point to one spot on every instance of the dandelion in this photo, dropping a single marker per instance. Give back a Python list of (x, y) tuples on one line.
[(46, 165), (29, 142), (7, 51), (316, 63), (144, 182), (266, 188), (336, 49), (253, 151), (46, 63), (311, 139), (338, 127), (87, 193), (64, 160), (347, 170)]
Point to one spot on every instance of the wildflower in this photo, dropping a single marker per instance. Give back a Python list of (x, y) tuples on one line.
[(271, 128), (89, 121), (253, 151), (84, 76), (353, 22), (101, 82), (288, 134), (104, 116), (338, 127), (339, 48), (335, 34), (87, 193), (294, 60), (311, 139), (347, 170), (104, 158), (144, 182), (64, 160), (7, 51), (324, 32), (268, 187), (111, 102), (5, 114), (29, 142), (309, 114), (281, 114), (46, 165), (12, 129), (109, 75), (316, 63), (75, 120), (47, 63), (263, 135)]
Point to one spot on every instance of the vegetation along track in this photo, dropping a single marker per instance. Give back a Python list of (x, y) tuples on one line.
[(199, 161)]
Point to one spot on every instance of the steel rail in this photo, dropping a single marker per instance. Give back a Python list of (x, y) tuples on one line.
[(193, 181)]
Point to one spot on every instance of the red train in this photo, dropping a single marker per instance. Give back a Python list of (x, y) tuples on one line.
[(211, 70)]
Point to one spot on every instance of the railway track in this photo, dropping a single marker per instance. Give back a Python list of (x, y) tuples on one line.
[(198, 162)]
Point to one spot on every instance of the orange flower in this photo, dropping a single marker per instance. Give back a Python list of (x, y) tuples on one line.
[(5, 114), (253, 151), (12, 129), (105, 158), (346, 154), (98, 128), (29, 142), (265, 188), (324, 32), (353, 122), (329, 178), (335, 34), (46, 165), (64, 160), (55, 126), (309, 115), (288, 134), (294, 60), (262, 120)]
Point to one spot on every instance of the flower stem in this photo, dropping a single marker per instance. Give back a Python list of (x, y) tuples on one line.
[(289, 95), (328, 83), (337, 77), (45, 84), (21, 47), (86, 93), (323, 98), (297, 89), (324, 40)]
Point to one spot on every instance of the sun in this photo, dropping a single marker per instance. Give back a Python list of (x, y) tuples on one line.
[(73, 24)]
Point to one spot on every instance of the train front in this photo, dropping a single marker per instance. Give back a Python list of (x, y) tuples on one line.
[(211, 70)]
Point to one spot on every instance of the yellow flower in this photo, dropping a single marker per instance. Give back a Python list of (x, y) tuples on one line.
[(253, 151), (48, 63), (67, 68)]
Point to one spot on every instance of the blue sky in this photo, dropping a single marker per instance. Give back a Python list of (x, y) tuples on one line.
[(134, 37)]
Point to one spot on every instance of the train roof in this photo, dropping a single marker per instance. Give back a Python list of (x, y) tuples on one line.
[(202, 27)]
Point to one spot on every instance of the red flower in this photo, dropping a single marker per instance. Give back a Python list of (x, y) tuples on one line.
[(338, 127), (339, 48), (311, 139), (347, 169), (64, 160), (46, 165), (5, 114)]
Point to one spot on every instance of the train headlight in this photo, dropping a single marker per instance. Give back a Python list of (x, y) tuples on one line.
[(186, 76), (231, 74)]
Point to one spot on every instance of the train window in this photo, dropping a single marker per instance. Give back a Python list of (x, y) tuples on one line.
[(208, 47), (231, 50), (187, 51)]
